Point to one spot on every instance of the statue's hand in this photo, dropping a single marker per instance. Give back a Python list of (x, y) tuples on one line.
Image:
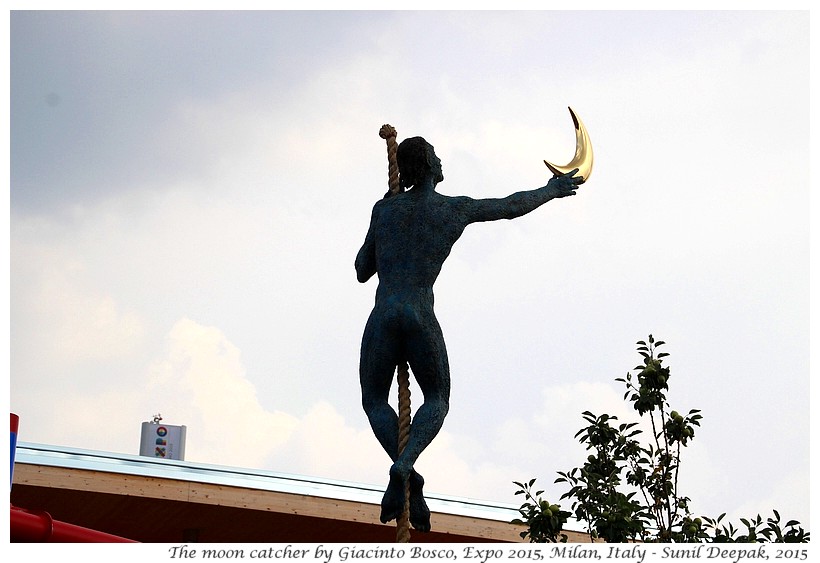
[(565, 185)]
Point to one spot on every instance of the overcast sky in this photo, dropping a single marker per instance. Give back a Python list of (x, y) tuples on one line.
[(189, 191)]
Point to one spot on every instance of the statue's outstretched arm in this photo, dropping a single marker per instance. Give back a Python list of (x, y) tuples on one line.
[(519, 203)]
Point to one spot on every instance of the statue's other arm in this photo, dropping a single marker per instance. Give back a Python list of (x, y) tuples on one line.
[(366, 258), (519, 203)]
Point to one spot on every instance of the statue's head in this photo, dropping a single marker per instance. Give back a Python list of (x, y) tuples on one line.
[(417, 160)]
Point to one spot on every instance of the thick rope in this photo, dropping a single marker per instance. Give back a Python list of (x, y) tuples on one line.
[(388, 133), (403, 377)]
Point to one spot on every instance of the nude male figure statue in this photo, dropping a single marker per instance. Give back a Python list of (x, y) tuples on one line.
[(409, 238)]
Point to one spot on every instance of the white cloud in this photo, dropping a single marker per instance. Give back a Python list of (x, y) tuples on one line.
[(324, 444), (202, 384), (784, 494), (100, 330), (103, 420), (76, 323)]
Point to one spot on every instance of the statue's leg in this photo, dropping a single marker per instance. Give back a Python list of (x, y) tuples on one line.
[(419, 512), (380, 353), (378, 360), (427, 356)]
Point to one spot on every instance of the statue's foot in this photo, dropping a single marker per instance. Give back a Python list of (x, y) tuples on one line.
[(419, 513), (393, 499)]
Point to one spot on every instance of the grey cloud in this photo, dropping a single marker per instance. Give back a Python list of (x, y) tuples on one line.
[(95, 95)]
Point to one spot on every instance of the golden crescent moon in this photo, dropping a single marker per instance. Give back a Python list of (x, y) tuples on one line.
[(583, 153)]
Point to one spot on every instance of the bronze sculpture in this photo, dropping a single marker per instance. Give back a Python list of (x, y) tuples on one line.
[(411, 233)]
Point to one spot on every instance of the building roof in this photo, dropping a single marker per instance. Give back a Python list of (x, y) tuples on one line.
[(150, 499)]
